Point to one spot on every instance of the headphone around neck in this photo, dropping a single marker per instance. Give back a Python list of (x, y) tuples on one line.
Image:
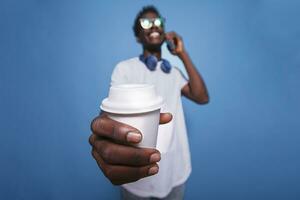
[(151, 62)]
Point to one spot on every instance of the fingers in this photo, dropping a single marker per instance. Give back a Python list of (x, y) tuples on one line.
[(172, 36), (118, 159), (179, 47), (119, 174), (116, 154), (165, 118), (106, 127)]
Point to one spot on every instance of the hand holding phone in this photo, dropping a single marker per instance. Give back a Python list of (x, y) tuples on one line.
[(170, 45), (174, 43)]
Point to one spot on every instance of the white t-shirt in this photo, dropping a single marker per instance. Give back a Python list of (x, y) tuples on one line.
[(172, 142)]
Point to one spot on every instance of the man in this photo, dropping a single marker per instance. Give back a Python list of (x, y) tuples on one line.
[(136, 169)]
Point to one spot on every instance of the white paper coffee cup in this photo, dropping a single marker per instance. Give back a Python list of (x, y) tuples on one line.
[(137, 105)]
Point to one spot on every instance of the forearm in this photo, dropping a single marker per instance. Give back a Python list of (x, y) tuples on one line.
[(196, 84)]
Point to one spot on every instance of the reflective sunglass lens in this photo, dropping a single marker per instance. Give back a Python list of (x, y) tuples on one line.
[(145, 23), (148, 23), (157, 22)]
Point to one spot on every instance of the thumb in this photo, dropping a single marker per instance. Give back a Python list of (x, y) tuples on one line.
[(165, 118)]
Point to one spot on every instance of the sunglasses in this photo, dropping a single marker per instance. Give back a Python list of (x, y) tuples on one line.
[(147, 23)]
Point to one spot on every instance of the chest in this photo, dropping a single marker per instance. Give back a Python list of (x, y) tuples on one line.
[(165, 83)]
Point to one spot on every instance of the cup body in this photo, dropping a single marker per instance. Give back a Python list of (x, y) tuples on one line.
[(137, 105), (147, 123)]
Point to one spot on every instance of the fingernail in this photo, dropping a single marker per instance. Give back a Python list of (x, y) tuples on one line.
[(133, 137), (154, 157), (153, 170)]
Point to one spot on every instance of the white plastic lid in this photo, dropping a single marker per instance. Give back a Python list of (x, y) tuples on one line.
[(131, 98)]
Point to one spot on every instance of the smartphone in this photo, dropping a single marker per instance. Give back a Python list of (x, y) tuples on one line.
[(170, 45)]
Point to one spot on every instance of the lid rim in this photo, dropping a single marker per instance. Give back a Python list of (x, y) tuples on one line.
[(130, 111), (132, 98), (108, 107)]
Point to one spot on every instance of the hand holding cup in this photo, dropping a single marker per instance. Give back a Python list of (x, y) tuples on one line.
[(124, 136), (112, 148)]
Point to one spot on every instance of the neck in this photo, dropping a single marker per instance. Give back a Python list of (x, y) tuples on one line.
[(154, 52)]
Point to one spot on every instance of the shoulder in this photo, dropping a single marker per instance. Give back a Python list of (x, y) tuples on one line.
[(176, 69), (127, 63), (178, 72), (125, 67)]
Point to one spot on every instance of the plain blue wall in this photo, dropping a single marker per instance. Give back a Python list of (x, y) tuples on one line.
[(56, 58)]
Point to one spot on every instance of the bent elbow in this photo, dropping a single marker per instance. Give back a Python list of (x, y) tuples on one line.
[(202, 100)]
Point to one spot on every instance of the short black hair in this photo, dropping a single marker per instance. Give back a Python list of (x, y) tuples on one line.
[(145, 9)]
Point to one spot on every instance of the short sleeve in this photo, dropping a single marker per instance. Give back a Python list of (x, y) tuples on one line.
[(118, 75), (181, 79)]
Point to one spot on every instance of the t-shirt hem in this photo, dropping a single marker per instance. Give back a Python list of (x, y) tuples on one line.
[(142, 193)]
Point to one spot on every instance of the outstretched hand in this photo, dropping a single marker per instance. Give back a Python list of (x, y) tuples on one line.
[(112, 148)]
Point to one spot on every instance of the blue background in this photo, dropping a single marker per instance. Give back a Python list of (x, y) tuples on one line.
[(56, 58)]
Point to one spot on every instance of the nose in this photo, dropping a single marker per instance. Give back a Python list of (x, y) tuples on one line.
[(154, 28)]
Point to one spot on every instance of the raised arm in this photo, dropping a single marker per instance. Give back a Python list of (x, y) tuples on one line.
[(195, 89)]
